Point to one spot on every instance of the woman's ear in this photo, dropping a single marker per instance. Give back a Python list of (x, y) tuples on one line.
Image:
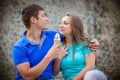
[(33, 20)]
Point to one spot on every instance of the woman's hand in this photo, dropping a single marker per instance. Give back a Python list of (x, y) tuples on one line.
[(63, 52)]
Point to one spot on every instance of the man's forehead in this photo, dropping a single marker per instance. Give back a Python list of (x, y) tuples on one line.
[(41, 12)]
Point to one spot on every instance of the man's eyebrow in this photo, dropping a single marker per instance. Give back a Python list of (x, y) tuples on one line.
[(45, 14)]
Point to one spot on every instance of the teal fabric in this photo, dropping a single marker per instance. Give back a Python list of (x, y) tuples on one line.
[(70, 67)]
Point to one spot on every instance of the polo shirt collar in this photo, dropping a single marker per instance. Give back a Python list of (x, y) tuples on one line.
[(27, 41)]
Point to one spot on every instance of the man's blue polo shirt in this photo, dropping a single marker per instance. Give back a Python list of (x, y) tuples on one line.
[(27, 51)]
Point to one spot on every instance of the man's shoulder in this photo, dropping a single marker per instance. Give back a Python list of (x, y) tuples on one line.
[(50, 32), (20, 42)]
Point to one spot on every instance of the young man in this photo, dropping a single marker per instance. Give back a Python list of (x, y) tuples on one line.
[(34, 53)]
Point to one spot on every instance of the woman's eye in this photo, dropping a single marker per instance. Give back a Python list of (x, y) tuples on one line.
[(65, 23)]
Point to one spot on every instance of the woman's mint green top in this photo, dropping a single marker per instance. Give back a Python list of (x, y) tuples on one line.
[(69, 67)]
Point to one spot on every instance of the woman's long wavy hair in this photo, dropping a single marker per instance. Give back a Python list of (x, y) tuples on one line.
[(78, 33)]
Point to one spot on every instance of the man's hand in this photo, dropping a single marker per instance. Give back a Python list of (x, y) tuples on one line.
[(55, 49), (94, 45)]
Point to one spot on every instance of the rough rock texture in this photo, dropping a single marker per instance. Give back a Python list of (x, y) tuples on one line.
[(101, 19)]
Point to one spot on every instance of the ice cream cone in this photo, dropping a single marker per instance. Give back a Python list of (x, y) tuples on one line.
[(57, 39)]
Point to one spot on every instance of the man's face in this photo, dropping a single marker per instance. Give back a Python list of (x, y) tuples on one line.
[(42, 21)]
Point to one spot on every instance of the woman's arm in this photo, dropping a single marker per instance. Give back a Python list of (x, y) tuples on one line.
[(56, 65), (90, 62)]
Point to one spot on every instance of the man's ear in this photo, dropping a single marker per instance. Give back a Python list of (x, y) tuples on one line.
[(33, 20)]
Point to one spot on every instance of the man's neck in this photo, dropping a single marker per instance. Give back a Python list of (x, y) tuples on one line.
[(34, 35)]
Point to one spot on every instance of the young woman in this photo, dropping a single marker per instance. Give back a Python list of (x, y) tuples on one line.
[(76, 60)]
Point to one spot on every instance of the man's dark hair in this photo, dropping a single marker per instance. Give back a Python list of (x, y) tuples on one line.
[(28, 12)]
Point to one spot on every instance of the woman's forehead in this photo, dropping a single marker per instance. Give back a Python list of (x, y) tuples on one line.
[(66, 18)]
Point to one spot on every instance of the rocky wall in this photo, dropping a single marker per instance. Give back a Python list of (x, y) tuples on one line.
[(101, 19)]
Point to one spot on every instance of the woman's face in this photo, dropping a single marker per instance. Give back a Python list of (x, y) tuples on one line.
[(65, 27)]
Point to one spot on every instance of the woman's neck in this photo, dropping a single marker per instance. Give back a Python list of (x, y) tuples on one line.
[(68, 40)]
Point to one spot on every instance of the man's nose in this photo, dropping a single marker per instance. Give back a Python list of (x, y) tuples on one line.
[(61, 26)]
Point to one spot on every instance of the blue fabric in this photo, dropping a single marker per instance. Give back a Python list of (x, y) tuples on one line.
[(45, 78), (28, 51), (70, 66)]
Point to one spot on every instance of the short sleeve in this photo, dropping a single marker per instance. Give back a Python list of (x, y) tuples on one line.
[(88, 50), (19, 55)]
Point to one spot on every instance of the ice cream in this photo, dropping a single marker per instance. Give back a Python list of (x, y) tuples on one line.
[(57, 39)]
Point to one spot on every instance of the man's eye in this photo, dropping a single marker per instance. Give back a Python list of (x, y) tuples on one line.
[(43, 15), (46, 14)]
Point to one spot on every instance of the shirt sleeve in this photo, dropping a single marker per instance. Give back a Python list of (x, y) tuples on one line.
[(87, 50), (19, 55)]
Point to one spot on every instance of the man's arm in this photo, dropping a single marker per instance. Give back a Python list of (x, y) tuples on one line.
[(32, 73)]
